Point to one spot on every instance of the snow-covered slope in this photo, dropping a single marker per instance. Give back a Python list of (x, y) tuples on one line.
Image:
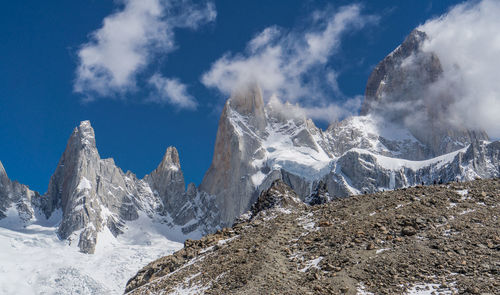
[(35, 261)]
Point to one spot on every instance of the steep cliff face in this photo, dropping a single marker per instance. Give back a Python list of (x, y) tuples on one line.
[(95, 195), (92, 192), (237, 144), (167, 180), (257, 144)]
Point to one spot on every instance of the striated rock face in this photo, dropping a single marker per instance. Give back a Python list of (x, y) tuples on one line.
[(94, 195), (92, 192), (396, 78), (236, 146), (257, 144)]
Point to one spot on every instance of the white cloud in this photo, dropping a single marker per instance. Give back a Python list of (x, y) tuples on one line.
[(330, 112), (171, 91), (292, 64), (128, 41), (467, 42)]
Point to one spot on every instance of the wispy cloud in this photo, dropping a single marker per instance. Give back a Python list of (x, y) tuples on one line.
[(129, 40), (171, 91), (293, 64), (467, 42)]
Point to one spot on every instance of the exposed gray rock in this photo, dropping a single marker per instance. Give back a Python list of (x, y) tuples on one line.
[(279, 196), (14, 195), (236, 146), (94, 194), (91, 192), (167, 181)]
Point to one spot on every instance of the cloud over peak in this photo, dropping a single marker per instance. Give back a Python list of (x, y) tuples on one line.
[(292, 64), (129, 40), (467, 42)]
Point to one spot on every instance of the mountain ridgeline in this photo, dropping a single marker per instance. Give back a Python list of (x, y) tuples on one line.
[(384, 148)]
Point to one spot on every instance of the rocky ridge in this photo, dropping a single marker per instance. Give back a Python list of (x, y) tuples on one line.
[(94, 195), (438, 238), (16, 198)]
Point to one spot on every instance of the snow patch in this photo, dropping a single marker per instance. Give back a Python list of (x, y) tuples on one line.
[(44, 264), (429, 289), (311, 264), (84, 184), (397, 164)]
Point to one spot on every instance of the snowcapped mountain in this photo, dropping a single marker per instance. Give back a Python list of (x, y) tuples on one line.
[(93, 196), (92, 206), (257, 144), (383, 148)]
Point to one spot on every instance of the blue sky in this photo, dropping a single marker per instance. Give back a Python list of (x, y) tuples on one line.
[(42, 98)]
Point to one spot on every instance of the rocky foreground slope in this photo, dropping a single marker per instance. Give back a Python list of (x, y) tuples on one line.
[(443, 238)]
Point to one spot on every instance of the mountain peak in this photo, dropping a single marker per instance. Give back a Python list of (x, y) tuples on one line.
[(2, 171), (170, 160), (388, 81), (248, 101), (84, 134)]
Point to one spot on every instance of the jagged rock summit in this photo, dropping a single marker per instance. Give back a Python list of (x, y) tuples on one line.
[(3, 174), (94, 196), (400, 89), (93, 193), (16, 201)]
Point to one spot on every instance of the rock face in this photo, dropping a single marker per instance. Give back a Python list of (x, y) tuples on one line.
[(93, 193), (438, 238), (167, 180), (360, 154), (16, 199), (237, 145)]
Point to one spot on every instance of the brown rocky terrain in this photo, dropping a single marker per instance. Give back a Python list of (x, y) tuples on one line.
[(442, 239)]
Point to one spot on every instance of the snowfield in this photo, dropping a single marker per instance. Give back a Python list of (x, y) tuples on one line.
[(35, 261)]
